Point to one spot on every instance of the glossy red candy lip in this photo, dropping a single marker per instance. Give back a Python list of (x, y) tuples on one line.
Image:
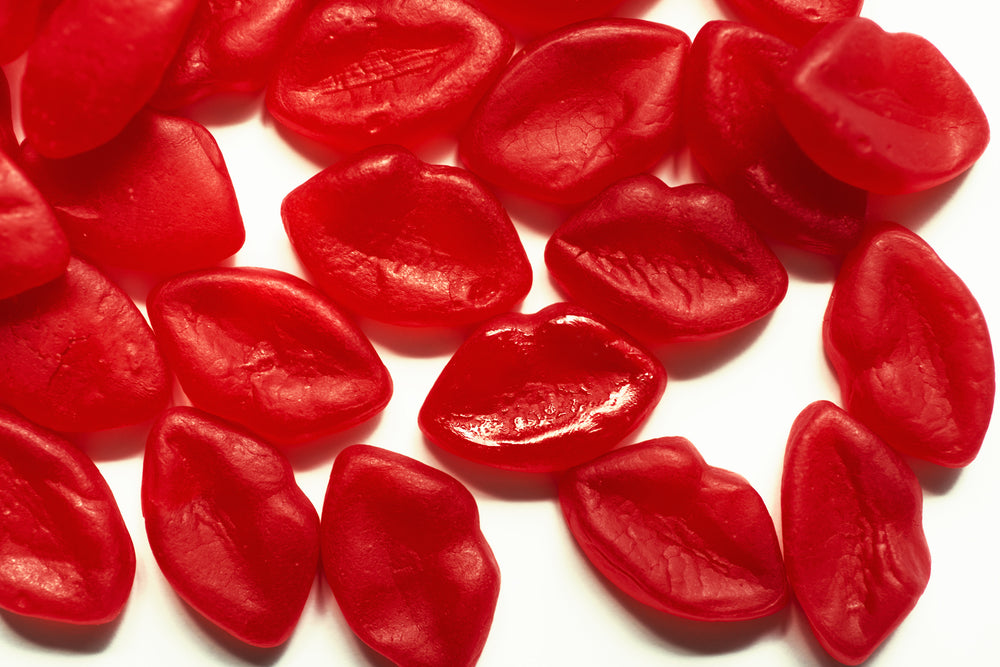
[(76, 355), (65, 553), (541, 392), (910, 347), (536, 17), (386, 71), (436, 247), (580, 108), (230, 529), (852, 532), (269, 351), (675, 533), (666, 264), (405, 557), (794, 21)]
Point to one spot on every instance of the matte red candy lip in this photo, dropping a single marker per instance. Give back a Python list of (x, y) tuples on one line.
[(579, 109), (666, 264), (269, 351), (77, 355), (230, 529), (405, 557), (794, 21), (406, 242), (65, 554), (386, 71), (541, 392)]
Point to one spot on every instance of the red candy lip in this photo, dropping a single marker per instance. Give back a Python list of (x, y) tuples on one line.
[(794, 21)]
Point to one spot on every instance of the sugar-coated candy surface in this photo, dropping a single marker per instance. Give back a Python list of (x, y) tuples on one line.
[(541, 392), (675, 533), (578, 109), (535, 17), (230, 529), (119, 48), (851, 523), (911, 349), (156, 198), (399, 240), (65, 553), (735, 134), (883, 111), (386, 71), (666, 264), (268, 351), (794, 21), (77, 355), (405, 557)]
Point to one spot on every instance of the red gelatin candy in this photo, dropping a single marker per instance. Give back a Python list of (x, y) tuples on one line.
[(578, 109), (65, 554), (535, 17), (675, 533), (230, 46), (234, 535), (910, 347), (794, 21), (19, 21), (404, 555), (386, 71), (156, 198), (268, 351), (93, 66), (735, 134), (852, 532), (33, 248), (406, 242), (541, 392), (8, 140), (77, 355), (882, 111)]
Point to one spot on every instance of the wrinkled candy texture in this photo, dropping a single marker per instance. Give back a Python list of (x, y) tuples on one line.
[(882, 111), (33, 247), (794, 21), (535, 17), (269, 351), (65, 554), (852, 532), (76, 355), (230, 529), (19, 22), (541, 392), (666, 264), (406, 242), (735, 134), (119, 50), (675, 533), (386, 71), (230, 46), (156, 198), (407, 562), (579, 109), (910, 347)]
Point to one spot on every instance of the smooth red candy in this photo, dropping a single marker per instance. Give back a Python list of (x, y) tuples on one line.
[(882, 111), (8, 140), (735, 134), (93, 66), (579, 109), (852, 532), (76, 355), (19, 22), (675, 533), (230, 46), (794, 21), (535, 17), (405, 557), (232, 532), (268, 351), (406, 242), (541, 392), (65, 554), (910, 347), (156, 198), (33, 248), (386, 71), (666, 264)]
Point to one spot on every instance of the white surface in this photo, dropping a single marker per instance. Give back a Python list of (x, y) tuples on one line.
[(735, 399)]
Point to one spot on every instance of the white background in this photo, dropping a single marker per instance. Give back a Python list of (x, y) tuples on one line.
[(735, 399)]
